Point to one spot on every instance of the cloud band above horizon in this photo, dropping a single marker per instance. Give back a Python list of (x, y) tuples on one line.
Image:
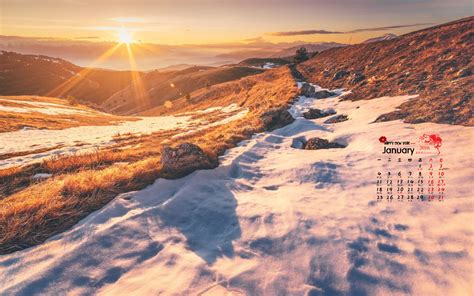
[(324, 32)]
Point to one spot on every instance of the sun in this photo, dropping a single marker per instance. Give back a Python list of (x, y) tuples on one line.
[(125, 36)]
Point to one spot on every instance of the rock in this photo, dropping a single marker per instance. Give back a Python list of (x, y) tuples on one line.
[(356, 77), (398, 114), (340, 74), (298, 143), (318, 143), (185, 159), (307, 90), (337, 118), (276, 118), (322, 94), (464, 72), (317, 113)]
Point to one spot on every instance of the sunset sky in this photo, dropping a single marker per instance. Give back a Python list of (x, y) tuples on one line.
[(222, 21)]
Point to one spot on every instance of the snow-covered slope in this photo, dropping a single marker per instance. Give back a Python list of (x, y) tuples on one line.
[(387, 36), (272, 220), (85, 138)]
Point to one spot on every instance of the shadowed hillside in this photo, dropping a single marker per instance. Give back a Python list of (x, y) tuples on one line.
[(46, 76), (435, 63)]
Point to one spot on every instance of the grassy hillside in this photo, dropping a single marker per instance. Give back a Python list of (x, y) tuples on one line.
[(435, 63), (160, 87), (46, 76)]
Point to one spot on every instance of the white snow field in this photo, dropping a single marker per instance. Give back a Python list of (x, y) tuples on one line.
[(45, 108), (272, 220), (85, 138)]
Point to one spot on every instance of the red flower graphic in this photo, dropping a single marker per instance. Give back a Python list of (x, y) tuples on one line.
[(383, 139)]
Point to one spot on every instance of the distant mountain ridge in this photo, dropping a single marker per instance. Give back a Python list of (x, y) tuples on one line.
[(279, 52), (311, 47), (387, 36)]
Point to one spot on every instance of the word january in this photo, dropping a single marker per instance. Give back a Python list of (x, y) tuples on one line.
[(398, 150)]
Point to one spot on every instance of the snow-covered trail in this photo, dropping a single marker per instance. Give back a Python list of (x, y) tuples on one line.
[(272, 220)]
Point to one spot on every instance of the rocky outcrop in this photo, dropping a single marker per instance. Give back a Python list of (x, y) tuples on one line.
[(314, 144), (340, 74), (337, 118), (309, 91), (322, 94), (276, 118), (317, 113), (318, 143), (185, 159), (356, 77)]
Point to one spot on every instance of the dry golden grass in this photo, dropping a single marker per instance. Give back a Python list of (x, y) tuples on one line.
[(97, 159), (12, 121), (84, 183), (47, 208)]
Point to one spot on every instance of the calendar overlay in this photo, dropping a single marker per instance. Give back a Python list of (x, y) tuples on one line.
[(411, 171)]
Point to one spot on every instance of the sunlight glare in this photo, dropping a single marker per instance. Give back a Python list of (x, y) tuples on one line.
[(125, 36)]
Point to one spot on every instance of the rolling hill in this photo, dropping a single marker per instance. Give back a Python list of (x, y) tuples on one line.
[(41, 75), (111, 90), (159, 87), (435, 63)]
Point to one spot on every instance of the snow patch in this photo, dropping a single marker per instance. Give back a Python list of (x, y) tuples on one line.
[(93, 137), (41, 176)]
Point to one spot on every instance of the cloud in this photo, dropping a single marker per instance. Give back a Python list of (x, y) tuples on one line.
[(255, 39), (388, 28), (324, 32), (305, 32)]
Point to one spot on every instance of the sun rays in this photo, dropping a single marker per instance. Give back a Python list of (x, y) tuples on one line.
[(138, 92), (67, 85), (138, 89)]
